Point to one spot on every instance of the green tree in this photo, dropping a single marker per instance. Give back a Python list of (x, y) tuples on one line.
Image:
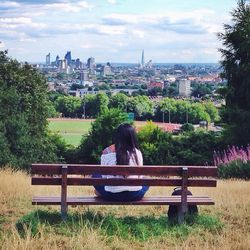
[(23, 115), (119, 101), (200, 90), (141, 106), (236, 66), (100, 136), (68, 105)]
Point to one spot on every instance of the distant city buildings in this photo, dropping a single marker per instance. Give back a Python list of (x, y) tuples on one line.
[(154, 80)]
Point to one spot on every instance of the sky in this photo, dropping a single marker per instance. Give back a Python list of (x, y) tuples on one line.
[(169, 31)]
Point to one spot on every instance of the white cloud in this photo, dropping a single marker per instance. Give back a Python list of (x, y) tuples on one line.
[(9, 4), (138, 33), (111, 1), (16, 20), (30, 40), (69, 7)]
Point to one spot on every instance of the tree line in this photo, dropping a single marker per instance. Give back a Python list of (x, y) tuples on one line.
[(166, 110)]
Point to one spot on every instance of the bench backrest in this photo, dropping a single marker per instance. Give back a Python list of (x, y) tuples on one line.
[(80, 175)]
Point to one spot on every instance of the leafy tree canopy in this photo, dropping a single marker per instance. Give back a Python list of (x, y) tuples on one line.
[(23, 115), (236, 65)]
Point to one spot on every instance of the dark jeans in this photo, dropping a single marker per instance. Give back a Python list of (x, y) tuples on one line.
[(121, 196)]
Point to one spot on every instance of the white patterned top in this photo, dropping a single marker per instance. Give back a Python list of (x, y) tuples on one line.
[(110, 159)]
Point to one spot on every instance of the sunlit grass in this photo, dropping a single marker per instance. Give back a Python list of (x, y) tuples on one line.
[(223, 226), (71, 130)]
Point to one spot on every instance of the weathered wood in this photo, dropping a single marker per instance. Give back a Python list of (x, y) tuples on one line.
[(183, 207), (64, 206), (168, 200), (193, 171), (122, 182)]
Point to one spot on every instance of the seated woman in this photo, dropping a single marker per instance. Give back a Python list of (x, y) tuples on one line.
[(124, 152)]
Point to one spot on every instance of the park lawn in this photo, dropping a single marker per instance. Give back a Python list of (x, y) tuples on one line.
[(223, 226), (70, 126), (71, 130)]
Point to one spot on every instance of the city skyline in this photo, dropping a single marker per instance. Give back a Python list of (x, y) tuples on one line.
[(114, 30)]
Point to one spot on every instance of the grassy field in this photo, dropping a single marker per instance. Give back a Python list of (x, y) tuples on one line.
[(71, 130), (23, 226)]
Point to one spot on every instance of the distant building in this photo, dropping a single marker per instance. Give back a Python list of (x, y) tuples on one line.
[(68, 57), (78, 63), (107, 70), (48, 59), (57, 61), (62, 64), (184, 87), (91, 64), (142, 59), (84, 76)]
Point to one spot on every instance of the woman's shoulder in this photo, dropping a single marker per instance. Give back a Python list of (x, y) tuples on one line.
[(109, 149)]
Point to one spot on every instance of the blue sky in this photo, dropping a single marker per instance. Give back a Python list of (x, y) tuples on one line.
[(114, 30)]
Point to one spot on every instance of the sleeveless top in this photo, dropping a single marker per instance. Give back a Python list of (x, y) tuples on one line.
[(108, 157)]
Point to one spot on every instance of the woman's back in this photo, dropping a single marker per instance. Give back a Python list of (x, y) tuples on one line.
[(109, 158)]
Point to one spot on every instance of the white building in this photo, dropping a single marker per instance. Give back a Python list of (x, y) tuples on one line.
[(107, 70), (184, 87)]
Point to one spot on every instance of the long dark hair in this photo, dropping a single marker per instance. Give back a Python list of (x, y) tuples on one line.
[(125, 144)]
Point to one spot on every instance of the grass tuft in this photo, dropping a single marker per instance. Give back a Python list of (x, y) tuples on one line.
[(128, 228)]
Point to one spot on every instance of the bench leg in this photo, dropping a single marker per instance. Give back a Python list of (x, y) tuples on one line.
[(64, 210), (180, 215)]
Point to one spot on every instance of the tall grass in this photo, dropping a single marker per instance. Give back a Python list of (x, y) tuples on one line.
[(96, 227)]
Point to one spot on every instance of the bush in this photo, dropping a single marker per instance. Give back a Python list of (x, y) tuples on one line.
[(235, 169), (187, 127), (100, 136), (193, 148)]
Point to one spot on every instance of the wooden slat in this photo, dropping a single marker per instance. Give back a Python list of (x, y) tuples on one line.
[(122, 182), (49, 169), (170, 200)]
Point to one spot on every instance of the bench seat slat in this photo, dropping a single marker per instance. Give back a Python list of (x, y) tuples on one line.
[(122, 182), (47, 169), (171, 200)]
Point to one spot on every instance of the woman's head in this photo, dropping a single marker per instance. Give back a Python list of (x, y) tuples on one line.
[(126, 137), (125, 143)]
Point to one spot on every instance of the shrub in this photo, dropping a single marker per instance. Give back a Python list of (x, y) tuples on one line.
[(100, 136), (233, 162), (235, 169)]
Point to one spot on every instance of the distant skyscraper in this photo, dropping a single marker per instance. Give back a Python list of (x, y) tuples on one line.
[(184, 87), (91, 62), (142, 59), (62, 65), (78, 63), (48, 59), (68, 57), (57, 61), (84, 76)]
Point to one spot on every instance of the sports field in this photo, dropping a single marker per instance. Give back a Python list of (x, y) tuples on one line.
[(71, 130)]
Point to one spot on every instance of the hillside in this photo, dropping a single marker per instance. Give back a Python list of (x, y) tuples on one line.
[(223, 226)]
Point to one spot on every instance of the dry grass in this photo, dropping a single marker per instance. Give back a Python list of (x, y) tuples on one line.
[(232, 208)]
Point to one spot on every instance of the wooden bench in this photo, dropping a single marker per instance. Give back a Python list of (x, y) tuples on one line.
[(80, 175)]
